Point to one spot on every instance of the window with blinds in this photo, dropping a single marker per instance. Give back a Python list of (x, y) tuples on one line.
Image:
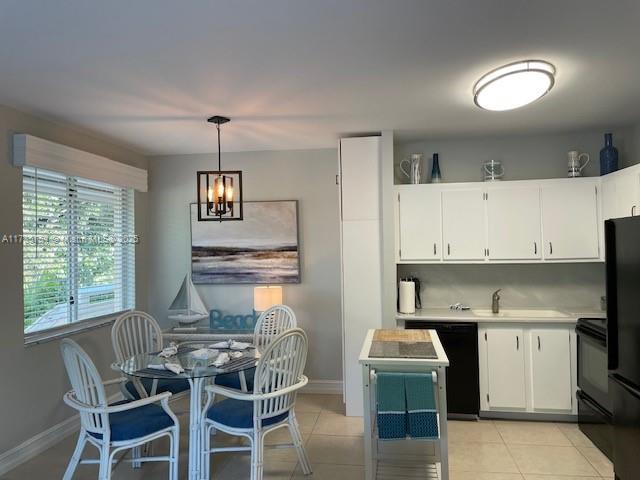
[(78, 247)]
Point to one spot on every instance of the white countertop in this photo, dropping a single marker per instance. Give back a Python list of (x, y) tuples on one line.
[(447, 315)]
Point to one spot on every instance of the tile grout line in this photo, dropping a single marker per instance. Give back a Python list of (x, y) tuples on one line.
[(578, 449), (566, 436), (504, 442), (513, 459), (590, 462)]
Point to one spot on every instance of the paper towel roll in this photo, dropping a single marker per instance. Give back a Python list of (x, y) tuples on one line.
[(407, 296)]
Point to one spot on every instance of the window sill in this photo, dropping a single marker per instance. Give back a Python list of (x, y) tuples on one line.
[(51, 334)]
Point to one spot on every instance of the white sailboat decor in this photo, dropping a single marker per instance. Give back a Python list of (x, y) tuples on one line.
[(188, 307)]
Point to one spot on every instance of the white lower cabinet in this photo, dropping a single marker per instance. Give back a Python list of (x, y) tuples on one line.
[(551, 369), (505, 360), (527, 369)]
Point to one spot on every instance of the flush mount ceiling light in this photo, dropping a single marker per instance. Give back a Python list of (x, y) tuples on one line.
[(514, 85), (219, 191)]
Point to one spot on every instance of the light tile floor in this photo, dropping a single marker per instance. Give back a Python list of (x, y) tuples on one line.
[(484, 450)]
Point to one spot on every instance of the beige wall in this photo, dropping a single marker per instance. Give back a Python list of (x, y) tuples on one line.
[(33, 378), (308, 176)]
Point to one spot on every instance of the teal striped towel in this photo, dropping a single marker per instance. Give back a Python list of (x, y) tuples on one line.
[(421, 405), (392, 407)]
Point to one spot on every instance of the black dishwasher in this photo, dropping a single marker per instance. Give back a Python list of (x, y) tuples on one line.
[(460, 342)]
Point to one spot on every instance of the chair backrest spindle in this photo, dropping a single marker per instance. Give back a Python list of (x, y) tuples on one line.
[(280, 366), (86, 384), (134, 333), (271, 323)]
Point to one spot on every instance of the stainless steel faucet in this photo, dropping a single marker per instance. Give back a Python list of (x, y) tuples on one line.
[(495, 301)]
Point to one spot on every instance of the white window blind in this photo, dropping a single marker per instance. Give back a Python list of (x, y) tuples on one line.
[(78, 249)]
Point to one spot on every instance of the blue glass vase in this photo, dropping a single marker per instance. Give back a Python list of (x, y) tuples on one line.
[(436, 176), (608, 156)]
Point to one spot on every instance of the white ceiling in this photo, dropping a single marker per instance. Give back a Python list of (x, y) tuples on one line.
[(299, 73)]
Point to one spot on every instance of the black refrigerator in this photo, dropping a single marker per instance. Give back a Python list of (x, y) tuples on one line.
[(623, 339)]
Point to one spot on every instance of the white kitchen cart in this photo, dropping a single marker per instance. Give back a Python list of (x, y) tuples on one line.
[(379, 465)]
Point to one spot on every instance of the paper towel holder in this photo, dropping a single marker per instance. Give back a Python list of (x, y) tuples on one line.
[(418, 288), (409, 295)]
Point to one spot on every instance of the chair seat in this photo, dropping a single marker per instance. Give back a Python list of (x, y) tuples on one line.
[(232, 380), (238, 414), (164, 385), (137, 422)]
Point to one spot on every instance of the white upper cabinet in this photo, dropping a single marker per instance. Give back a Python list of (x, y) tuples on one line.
[(551, 369), (463, 224), (420, 217), (553, 220), (570, 220), (513, 222), (621, 194), (359, 177)]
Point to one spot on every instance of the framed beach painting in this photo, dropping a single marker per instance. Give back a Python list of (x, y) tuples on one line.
[(261, 249)]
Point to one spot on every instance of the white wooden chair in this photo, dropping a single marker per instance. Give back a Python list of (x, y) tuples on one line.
[(113, 428), (271, 323), (138, 332), (279, 375)]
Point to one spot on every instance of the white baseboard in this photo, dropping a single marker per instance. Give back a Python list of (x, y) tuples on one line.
[(38, 444), (327, 387), (41, 442)]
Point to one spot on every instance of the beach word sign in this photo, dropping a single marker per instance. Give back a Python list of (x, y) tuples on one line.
[(218, 320)]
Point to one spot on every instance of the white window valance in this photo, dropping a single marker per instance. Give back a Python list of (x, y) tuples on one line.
[(36, 152)]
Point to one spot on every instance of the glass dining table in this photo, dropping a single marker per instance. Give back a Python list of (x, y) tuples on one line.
[(198, 373)]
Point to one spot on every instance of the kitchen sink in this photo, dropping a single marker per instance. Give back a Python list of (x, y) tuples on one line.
[(521, 313)]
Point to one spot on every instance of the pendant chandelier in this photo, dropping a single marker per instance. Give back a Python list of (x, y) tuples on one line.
[(219, 191)]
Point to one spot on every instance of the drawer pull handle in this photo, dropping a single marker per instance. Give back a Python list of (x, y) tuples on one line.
[(538, 342), (517, 342)]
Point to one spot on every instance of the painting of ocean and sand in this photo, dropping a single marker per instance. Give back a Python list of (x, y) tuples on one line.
[(261, 249)]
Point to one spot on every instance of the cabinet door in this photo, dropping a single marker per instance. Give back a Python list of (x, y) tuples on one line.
[(420, 223), (626, 194), (359, 178), (463, 224), (551, 369), (636, 207), (514, 228), (609, 198), (570, 220), (505, 368), (620, 193)]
